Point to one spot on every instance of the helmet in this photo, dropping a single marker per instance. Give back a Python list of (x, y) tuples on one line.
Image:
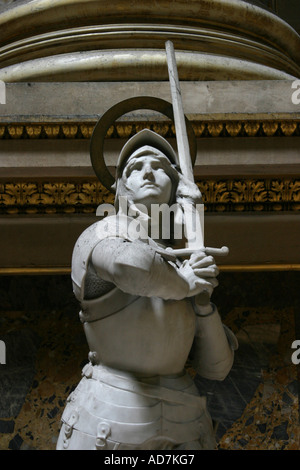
[(141, 139)]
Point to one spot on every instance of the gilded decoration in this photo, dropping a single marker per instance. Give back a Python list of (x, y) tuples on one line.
[(264, 195), (68, 196), (123, 130)]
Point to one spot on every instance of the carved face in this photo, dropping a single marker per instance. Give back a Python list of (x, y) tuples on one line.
[(147, 180)]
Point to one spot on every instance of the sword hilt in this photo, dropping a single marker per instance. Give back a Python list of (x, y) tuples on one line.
[(208, 250)]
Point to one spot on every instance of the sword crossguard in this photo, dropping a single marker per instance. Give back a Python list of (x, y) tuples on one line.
[(208, 250)]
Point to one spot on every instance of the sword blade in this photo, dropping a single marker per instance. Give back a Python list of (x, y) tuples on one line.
[(195, 241), (192, 217), (184, 156)]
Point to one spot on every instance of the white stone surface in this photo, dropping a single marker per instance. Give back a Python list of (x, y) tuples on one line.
[(208, 100)]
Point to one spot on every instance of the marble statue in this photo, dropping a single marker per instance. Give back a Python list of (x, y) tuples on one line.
[(144, 311)]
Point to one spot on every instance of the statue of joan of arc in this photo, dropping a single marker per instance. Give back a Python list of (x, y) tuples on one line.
[(143, 314)]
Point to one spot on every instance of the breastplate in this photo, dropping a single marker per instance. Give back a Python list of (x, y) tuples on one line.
[(139, 334)]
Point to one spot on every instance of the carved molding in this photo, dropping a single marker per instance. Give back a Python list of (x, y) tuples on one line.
[(259, 195), (75, 195), (83, 197), (123, 130), (75, 41)]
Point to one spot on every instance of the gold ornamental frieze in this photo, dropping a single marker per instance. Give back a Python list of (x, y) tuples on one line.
[(83, 197), (124, 130)]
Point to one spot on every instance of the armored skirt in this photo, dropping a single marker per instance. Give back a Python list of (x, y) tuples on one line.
[(112, 410)]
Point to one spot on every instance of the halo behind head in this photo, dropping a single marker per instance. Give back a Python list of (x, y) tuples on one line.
[(109, 117)]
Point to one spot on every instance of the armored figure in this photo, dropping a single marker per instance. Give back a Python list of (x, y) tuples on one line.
[(144, 312)]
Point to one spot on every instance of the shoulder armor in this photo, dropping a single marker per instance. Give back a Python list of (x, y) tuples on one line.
[(108, 227)]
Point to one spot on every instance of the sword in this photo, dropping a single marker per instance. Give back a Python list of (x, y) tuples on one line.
[(192, 215)]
